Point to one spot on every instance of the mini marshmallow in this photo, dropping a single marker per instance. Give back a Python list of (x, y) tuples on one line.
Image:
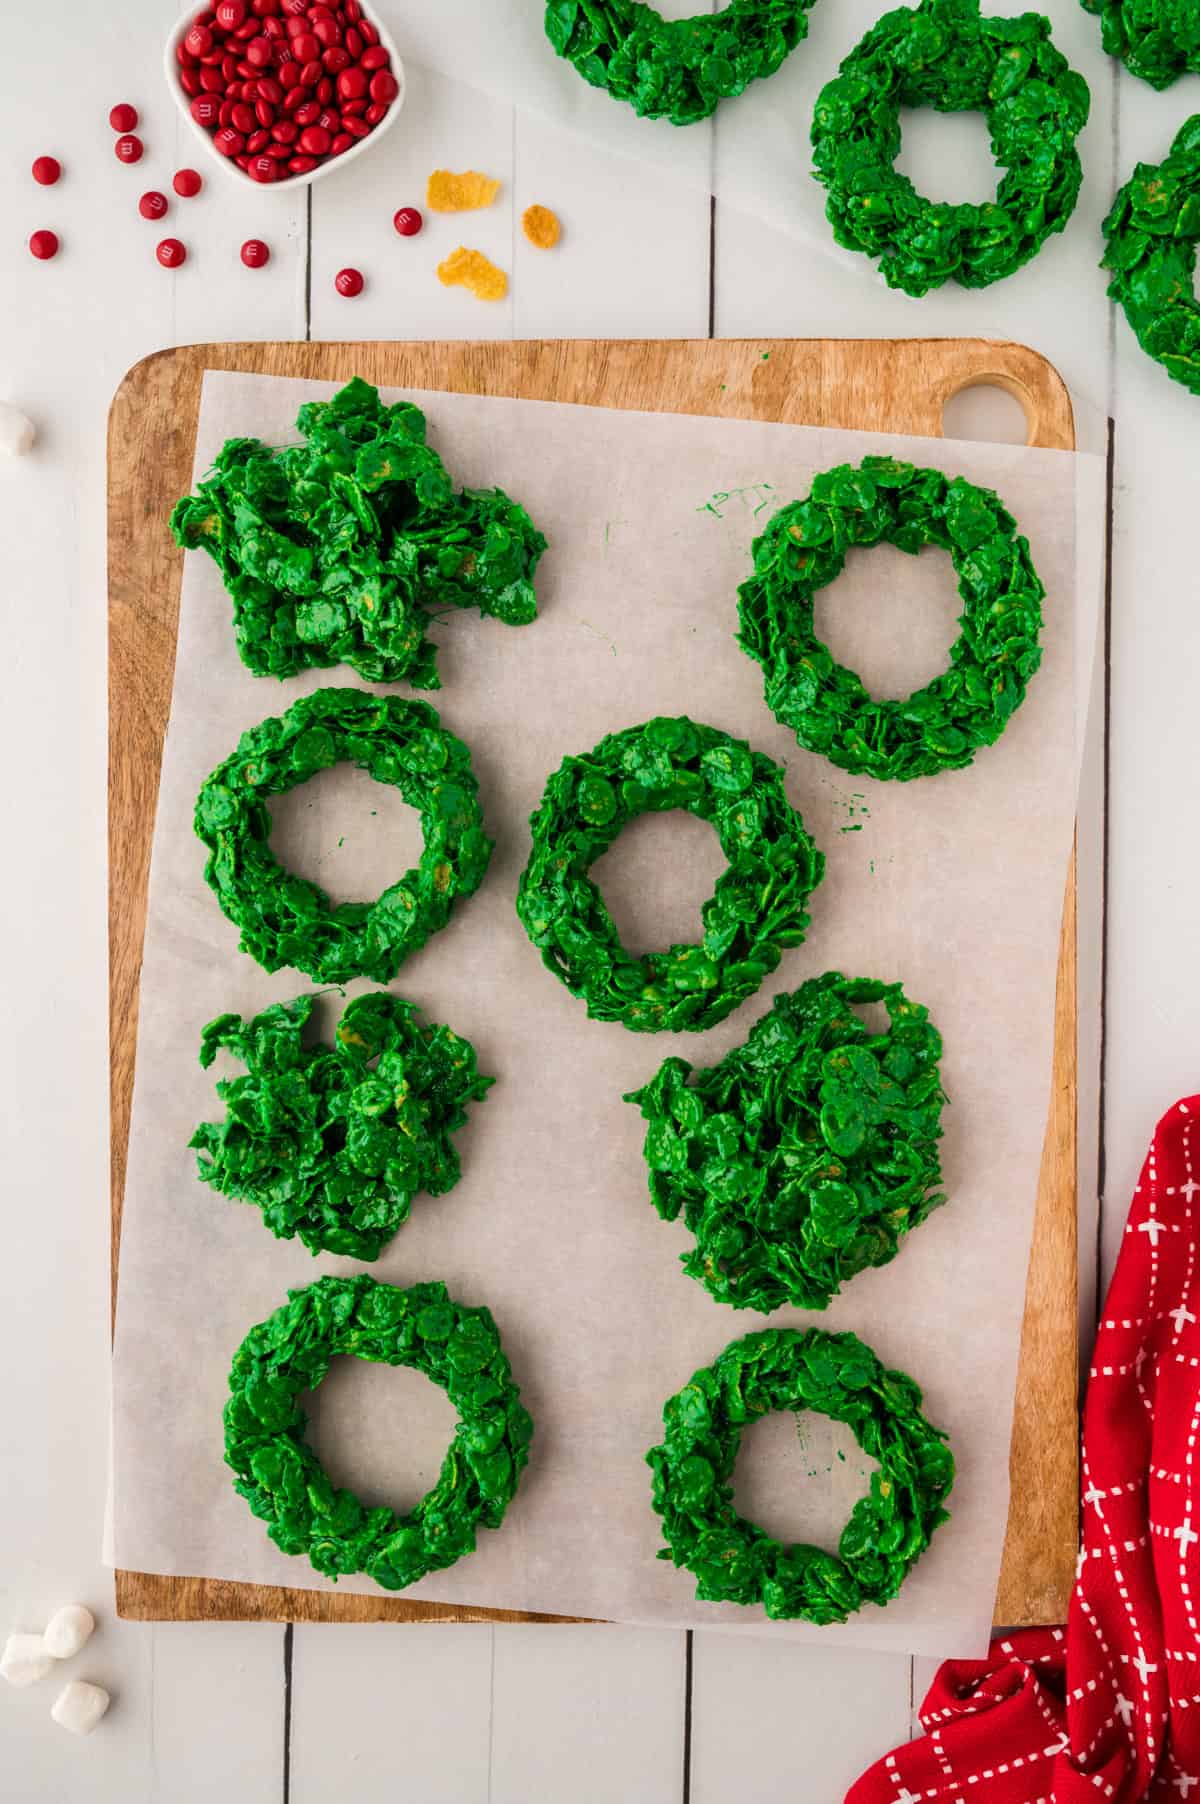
[(79, 1706), (25, 1660), (18, 433), (67, 1630)]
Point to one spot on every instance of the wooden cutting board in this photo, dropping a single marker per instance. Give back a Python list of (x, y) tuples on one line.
[(869, 385)]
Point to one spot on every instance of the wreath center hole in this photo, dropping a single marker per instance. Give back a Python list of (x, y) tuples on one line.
[(656, 877), (947, 156), (873, 1015), (342, 830), (891, 618), (798, 1476), (381, 1431)]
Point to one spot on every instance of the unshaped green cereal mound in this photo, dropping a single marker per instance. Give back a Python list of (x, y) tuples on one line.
[(332, 1143), (733, 1560), (806, 1154), (339, 549), (828, 707), (676, 69), (1150, 240), (454, 1345)]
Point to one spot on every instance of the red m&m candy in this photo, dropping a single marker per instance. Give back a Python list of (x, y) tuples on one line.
[(255, 254), (408, 222), (129, 149), (187, 183), (348, 282), (46, 171), (230, 14), (171, 253), (352, 84), (123, 118), (152, 204), (44, 245)]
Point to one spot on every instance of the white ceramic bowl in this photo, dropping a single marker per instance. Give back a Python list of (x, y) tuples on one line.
[(332, 164)]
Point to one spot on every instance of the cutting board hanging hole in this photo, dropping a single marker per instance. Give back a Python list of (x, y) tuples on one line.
[(990, 412)]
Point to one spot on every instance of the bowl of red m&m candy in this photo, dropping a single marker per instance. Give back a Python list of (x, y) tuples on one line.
[(285, 91)]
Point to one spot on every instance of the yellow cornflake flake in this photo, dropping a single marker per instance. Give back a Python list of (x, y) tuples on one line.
[(471, 269), (449, 192), (541, 227)]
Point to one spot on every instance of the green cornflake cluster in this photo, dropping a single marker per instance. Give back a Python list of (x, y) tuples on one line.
[(733, 1560), (336, 551), (759, 905), (285, 919), (943, 54), (283, 1481), (1151, 237), (807, 1153), (333, 1143), (941, 726), (1159, 40), (676, 69)]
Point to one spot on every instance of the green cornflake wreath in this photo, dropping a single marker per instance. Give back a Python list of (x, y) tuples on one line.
[(336, 551), (333, 1143), (283, 1481), (943, 54), (803, 548), (757, 909), (1159, 40), (736, 1562), (676, 69), (1150, 238), (285, 919), (807, 1153)]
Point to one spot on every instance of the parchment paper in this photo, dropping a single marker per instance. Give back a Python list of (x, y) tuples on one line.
[(953, 885)]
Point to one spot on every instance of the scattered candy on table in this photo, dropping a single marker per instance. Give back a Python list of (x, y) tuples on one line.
[(283, 90), (67, 1631), (541, 227), (283, 86), (450, 193), (465, 268), (18, 434), (79, 1706), (25, 1660)]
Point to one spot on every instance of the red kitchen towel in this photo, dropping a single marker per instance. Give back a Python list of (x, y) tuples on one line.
[(1108, 1708)]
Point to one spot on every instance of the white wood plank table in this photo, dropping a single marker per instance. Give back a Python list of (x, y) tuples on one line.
[(467, 1715)]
